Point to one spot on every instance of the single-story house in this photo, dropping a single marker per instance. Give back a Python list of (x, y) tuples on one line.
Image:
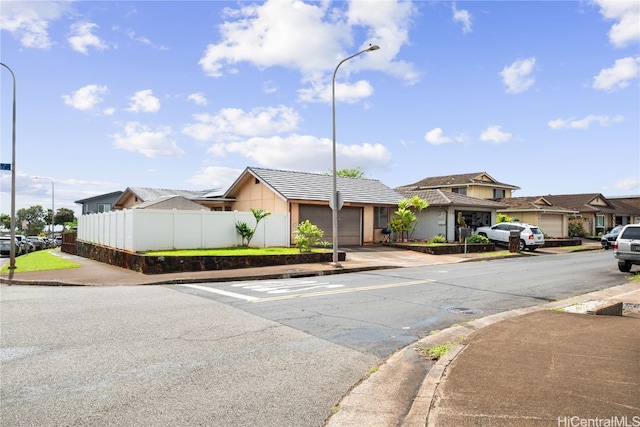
[(479, 185), (441, 216), (551, 219), (133, 196), (627, 209), (366, 211), (100, 203), (170, 202), (598, 212)]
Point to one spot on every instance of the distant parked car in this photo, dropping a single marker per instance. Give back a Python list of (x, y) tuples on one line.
[(627, 247), (58, 241), (25, 245), (609, 239), (5, 247), (530, 236), (38, 242)]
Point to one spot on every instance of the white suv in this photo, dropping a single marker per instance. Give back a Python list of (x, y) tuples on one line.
[(627, 247), (530, 236)]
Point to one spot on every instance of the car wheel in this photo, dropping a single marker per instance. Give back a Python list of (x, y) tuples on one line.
[(624, 266), (521, 245)]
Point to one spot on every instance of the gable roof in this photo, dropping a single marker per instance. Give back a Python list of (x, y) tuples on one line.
[(146, 194), (447, 198), (590, 202), (290, 185), (476, 178), (170, 202), (107, 196), (533, 203)]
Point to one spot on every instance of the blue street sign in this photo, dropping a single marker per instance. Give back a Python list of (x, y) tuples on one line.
[(5, 166)]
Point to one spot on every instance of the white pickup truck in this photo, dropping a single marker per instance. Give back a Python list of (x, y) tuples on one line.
[(530, 236)]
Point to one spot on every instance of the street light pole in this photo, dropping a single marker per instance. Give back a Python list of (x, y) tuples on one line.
[(12, 250), (334, 192), (53, 212)]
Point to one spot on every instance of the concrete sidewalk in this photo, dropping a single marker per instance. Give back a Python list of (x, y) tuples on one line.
[(532, 367)]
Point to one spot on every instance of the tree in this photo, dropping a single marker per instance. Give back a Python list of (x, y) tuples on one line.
[(35, 220), (5, 221), (64, 216), (243, 229), (356, 172), (405, 219)]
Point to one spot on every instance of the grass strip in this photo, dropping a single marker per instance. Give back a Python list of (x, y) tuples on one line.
[(40, 261)]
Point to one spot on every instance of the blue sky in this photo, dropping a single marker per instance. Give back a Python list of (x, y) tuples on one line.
[(186, 95)]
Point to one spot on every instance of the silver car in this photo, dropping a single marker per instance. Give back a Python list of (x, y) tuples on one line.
[(627, 247)]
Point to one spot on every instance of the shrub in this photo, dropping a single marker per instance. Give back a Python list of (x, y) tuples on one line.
[(307, 235), (438, 239), (576, 228), (476, 238)]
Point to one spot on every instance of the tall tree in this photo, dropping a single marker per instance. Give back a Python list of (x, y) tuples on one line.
[(64, 216), (31, 220), (5, 221)]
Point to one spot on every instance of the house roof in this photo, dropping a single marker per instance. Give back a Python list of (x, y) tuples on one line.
[(533, 203), (447, 198), (626, 204), (169, 202), (476, 178), (146, 194), (291, 185), (112, 195), (590, 202)]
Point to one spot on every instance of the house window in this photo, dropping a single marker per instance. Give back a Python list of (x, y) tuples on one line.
[(380, 217), (599, 221), (498, 193), (104, 207), (460, 190)]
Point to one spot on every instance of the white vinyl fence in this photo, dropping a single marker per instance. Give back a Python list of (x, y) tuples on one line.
[(140, 230)]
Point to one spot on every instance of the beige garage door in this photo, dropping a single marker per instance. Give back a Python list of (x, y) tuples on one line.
[(551, 225), (349, 223)]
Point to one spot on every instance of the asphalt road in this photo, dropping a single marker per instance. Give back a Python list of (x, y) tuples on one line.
[(254, 353)]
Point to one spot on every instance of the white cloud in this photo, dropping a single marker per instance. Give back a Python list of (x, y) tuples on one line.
[(260, 34), (144, 101), (517, 76), (627, 14), (435, 137), (618, 76), (495, 134), (86, 98), (631, 183), (584, 123), (231, 123), (28, 21), (215, 177), (306, 152), (462, 16), (150, 143), (82, 37), (198, 99), (345, 92)]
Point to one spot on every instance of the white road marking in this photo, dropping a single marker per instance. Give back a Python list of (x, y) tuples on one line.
[(221, 292)]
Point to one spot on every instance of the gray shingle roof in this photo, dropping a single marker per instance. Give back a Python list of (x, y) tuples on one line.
[(292, 185), (446, 198), (533, 203), (581, 202), (457, 180), (147, 194)]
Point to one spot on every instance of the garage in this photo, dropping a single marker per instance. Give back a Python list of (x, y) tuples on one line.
[(349, 223), (551, 225)]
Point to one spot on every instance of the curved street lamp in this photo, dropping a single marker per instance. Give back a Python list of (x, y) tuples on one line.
[(12, 251), (334, 195), (53, 212)]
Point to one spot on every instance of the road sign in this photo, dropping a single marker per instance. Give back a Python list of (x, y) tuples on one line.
[(5, 166), (340, 201)]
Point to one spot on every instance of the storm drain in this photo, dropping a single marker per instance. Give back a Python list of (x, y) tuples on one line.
[(464, 310)]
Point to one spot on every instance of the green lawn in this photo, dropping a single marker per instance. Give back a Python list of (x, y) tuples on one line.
[(234, 251), (40, 261)]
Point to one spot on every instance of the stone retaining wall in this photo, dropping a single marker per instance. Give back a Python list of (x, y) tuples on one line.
[(556, 243), (148, 264), (448, 248)]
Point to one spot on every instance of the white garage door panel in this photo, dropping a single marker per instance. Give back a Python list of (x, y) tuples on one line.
[(551, 225), (349, 223)]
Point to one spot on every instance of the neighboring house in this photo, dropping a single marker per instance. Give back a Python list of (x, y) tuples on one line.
[(171, 202), (553, 220), (98, 204), (479, 185), (442, 214), (627, 209), (368, 204), (598, 212), (133, 196)]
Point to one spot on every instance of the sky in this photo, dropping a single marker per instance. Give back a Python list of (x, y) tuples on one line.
[(544, 95)]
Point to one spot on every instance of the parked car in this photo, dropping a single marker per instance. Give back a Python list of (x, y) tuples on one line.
[(609, 239), (25, 245), (530, 236), (627, 247), (5, 247), (38, 242)]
